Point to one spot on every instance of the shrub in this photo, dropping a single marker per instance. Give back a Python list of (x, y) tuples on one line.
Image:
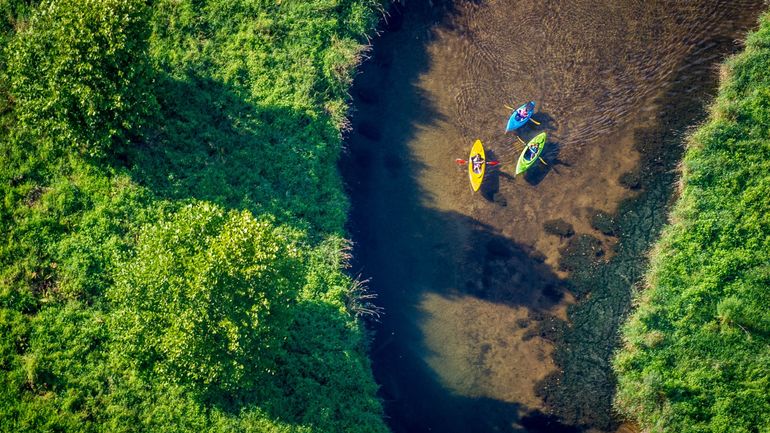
[(205, 298), (79, 74)]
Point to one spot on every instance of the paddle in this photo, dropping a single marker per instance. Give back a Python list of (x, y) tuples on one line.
[(530, 119), (526, 147), (463, 162)]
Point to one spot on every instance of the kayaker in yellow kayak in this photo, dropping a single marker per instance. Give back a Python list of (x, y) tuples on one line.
[(477, 160)]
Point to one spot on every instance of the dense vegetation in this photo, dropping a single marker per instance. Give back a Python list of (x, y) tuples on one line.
[(696, 355), (172, 249)]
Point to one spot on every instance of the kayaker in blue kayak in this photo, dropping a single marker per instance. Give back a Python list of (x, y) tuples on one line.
[(522, 113)]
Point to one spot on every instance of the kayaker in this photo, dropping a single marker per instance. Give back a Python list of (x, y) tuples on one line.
[(532, 151), (477, 160), (522, 112)]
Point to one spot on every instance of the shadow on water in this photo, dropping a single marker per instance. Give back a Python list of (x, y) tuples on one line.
[(416, 255), (462, 296), (604, 287), (539, 171), (491, 185), (412, 261), (547, 122)]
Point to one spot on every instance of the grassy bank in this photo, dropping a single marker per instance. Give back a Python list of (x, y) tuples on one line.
[(172, 253), (697, 348)]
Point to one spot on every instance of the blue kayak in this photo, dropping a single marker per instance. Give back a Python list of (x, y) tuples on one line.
[(516, 121)]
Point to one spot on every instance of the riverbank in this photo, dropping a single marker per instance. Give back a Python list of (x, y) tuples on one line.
[(696, 349), (172, 218), (604, 283)]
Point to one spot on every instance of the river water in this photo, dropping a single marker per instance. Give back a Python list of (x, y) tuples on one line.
[(471, 282)]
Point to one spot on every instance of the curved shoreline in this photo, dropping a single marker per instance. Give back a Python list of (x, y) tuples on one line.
[(695, 349), (604, 287), (446, 265)]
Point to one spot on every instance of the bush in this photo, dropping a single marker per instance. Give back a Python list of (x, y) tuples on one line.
[(204, 300), (79, 74)]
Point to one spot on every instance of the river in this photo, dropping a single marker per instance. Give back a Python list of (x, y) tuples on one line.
[(481, 298)]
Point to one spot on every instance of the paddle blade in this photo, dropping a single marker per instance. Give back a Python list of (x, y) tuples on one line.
[(493, 162), (508, 107), (522, 141), (461, 161), (534, 121)]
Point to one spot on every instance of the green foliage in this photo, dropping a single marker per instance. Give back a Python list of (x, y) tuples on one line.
[(79, 73), (254, 95), (171, 218), (12, 12), (697, 349), (205, 298)]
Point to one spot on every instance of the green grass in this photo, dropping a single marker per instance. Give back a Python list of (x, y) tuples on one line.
[(172, 255), (696, 354)]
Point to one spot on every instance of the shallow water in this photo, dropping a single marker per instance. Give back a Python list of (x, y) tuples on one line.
[(470, 283)]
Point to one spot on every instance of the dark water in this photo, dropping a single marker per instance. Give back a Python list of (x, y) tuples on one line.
[(472, 286)]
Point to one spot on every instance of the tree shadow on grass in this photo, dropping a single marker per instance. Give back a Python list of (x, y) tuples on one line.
[(215, 145)]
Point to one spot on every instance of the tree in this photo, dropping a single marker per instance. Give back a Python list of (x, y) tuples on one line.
[(79, 73), (204, 299)]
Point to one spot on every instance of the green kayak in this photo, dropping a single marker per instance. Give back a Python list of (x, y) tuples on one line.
[(527, 159)]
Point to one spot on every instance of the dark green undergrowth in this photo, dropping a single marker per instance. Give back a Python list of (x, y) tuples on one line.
[(171, 225), (696, 353)]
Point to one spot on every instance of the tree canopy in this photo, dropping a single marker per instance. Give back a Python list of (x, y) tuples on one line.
[(159, 270), (205, 297)]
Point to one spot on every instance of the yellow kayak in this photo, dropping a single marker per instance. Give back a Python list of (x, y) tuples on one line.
[(476, 165)]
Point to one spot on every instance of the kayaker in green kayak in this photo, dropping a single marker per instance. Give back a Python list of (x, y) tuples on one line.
[(531, 152), (533, 148)]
